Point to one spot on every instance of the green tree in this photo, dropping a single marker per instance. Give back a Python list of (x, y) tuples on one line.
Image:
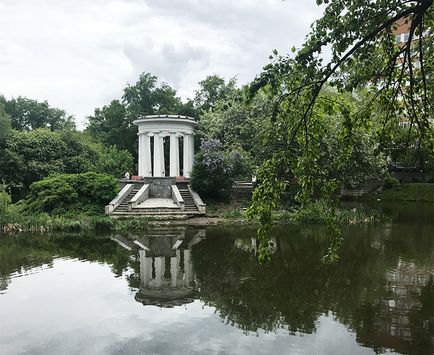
[(363, 52), (26, 157), (212, 175), (408, 149), (5, 122), (212, 90), (146, 97), (113, 124), (27, 114), (114, 161), (240, 125)]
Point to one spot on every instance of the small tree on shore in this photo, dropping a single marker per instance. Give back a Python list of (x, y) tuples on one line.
[(212, 173)]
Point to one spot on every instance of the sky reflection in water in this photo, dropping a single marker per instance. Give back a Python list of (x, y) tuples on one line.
[(90, 295)]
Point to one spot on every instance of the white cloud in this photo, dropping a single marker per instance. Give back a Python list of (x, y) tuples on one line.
[(80, 54)]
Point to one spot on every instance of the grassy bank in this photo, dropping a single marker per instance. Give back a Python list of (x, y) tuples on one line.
[(217, 213), (13, 223), (419, 192), (315, 213)]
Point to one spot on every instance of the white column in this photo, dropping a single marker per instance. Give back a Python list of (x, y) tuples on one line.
[(179, 278), (159, 270), (188, 267), (191, 141), (144, 155), (157, 155), (186, 155), (178, 165), (174, 155), (140, 167), (146, 162), (173, 271), (162, 162), (145, 268)]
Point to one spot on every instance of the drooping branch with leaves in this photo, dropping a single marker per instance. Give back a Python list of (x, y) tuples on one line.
[(352, 48)]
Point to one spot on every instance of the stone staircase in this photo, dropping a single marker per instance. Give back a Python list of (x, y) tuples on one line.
[(190, 206), (123, 207), (191, 209)]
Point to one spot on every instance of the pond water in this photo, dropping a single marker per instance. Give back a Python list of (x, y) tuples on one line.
[(178, 291)]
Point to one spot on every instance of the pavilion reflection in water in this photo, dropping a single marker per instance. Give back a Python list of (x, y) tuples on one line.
[(166, 269)]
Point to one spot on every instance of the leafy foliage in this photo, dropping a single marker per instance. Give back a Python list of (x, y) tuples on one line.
[(241, 125), (408, 149), (364, 53), (26, 157), (213, 90), (5, 122), (5, 201), (63, 193), (211, 175), (145, 97), (113, 124), (113, 161), (27, 114)]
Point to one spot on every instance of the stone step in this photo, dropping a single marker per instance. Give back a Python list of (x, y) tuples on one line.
[(156, 209), (188, 200), (135, 214), (123, 206)]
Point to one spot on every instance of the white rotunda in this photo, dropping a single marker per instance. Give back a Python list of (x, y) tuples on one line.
[(158, 130)]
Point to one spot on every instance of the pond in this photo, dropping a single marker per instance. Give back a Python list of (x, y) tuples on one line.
[(177, 291)]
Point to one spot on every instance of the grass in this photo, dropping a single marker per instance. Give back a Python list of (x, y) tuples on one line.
[(16, 223), (422, 192), (315, 213), (228, 210), (320, 212)]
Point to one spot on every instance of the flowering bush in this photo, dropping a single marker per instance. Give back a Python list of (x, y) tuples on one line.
[(212, 175)]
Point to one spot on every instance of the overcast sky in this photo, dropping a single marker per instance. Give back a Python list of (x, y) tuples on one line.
[(79, 54)]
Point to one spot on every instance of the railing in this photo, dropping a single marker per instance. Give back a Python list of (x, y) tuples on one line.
[(176, 195), (139, 197), (118, 199)]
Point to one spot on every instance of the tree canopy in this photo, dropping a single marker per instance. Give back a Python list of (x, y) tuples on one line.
[(113, 124), (352, 47), (5, 122), (213, 89), (26, 157), (27, 114)]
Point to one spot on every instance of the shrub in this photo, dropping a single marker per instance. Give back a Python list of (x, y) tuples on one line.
[(320, 212), (5, 201), (103, 224), (27, 157), (211, 175), (390, 182), (71, 193), (114, 161), (240, 163)]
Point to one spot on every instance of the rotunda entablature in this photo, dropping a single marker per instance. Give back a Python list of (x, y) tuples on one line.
[(166, 124)]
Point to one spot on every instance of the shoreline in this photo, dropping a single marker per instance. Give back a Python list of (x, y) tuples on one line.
[(14, 223)]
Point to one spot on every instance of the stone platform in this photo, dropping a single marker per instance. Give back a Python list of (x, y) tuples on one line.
[(156, 197), (155, 202)]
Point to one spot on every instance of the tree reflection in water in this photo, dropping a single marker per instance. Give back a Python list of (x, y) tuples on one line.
[(381, 288)]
